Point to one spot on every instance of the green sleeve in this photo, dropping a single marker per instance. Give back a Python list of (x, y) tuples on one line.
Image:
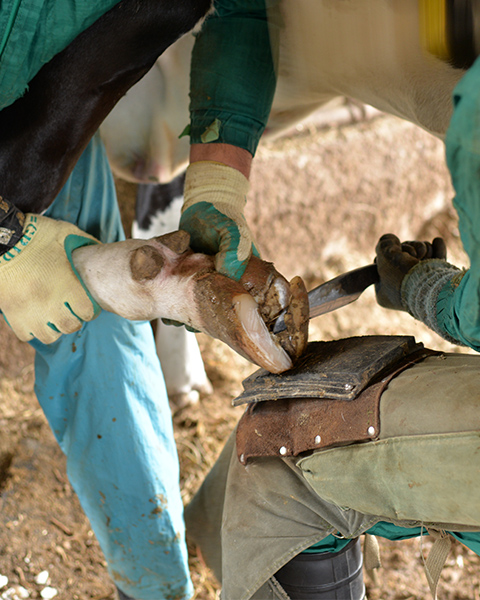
[(458, 306), (232, 76)]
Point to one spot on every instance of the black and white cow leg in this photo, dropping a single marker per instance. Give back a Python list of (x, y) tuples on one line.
[(158, 212)]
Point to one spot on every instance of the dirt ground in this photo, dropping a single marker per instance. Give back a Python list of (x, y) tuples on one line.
[(320, 199)]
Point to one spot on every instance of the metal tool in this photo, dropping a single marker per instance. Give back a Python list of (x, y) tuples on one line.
[(337, 292)]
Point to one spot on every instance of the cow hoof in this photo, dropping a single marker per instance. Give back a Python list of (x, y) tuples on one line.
[(180, 401)]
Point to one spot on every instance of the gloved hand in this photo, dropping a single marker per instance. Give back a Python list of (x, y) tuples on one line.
[(40, 293), (212, 213), (394, 260)]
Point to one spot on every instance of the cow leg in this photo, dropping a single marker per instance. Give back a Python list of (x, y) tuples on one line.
[(182, 365), (47, 129), (158, 212)]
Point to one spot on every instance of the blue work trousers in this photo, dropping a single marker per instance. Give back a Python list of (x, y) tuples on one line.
[(103, 394)]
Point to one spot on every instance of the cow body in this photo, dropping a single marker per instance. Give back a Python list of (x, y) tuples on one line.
[(368, 50)]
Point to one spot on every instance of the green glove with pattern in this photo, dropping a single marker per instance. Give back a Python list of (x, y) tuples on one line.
[(41, 295), (212, 213)]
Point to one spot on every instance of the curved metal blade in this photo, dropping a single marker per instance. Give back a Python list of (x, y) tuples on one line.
[(337, 292)]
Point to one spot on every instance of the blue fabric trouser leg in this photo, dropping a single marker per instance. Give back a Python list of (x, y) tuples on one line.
[(103, 394)]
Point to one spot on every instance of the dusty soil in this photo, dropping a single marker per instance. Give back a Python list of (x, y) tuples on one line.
[(320, 199)]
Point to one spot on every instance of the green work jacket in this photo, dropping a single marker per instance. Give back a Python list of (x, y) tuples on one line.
[(33, 31), (458, 307)]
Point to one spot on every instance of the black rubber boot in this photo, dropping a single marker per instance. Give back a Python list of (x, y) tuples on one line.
[(122, 596), (325, 575)]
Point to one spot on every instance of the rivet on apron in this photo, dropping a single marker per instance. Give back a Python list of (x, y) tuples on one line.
[(318, 439), (371, 430), (283, 450)]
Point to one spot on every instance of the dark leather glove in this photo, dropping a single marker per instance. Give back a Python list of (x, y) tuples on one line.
[(395, 259)]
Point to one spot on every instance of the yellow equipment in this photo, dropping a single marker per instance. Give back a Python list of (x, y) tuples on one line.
[(450, 30)]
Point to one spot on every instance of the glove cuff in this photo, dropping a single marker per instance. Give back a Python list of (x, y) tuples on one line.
[(71, 243), (216, 183), (420, 289), (12, 223), (29, 230)]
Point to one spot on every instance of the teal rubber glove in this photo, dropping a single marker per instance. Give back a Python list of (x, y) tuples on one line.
[(41, 294), (212, 213)]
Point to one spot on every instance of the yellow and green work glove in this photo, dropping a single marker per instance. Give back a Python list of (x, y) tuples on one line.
[(41, 295), (212, 213)]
